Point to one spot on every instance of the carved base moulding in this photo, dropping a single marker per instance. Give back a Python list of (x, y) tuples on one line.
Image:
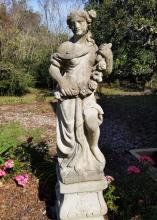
[(81, 201)]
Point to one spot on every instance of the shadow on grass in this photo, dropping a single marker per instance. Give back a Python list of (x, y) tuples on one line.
[(129, 122), (43, 166), (135, 115)]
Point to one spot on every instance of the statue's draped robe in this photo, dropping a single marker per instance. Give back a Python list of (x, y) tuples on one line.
[(76, 161)]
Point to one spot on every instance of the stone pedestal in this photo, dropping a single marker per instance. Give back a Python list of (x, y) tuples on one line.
[(82, 201)]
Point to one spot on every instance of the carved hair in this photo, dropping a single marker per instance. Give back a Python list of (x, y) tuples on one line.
[(88, 16)]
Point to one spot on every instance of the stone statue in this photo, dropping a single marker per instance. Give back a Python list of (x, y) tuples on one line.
[(77, 66)]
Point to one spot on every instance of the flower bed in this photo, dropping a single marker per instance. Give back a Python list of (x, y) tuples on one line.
[(149, 158)]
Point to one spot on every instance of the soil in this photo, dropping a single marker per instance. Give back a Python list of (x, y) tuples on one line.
[(21, 203), (129, 122), (34, 201), (37, 115)]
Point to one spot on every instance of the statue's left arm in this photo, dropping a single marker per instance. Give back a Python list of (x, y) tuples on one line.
[(104, 62)]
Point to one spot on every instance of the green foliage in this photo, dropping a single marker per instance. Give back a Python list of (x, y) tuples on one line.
[(11, 136), (111, 197), (28, 151), (25, 49), (34, 95), (35, 157), (13, 81), (137, 195), (152, 83), (132, 28), (150, 213)]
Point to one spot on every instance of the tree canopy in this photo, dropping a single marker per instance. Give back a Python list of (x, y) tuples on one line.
[(25, 48), (131, 26)]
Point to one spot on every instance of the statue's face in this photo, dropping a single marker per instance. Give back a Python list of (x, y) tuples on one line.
[(79, 26)]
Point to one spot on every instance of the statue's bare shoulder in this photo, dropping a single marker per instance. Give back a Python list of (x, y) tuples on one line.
[(70, 50)]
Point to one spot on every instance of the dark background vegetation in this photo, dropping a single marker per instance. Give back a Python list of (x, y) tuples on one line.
[(131, 26)]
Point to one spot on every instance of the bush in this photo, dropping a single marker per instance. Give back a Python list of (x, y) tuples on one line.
[(131, 28), (13, 80), (153, 83)]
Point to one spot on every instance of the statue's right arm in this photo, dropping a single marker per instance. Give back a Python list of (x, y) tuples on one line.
[(55, 73), (55, 69), (66, 88)]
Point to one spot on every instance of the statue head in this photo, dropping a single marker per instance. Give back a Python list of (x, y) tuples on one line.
[(80, 21)]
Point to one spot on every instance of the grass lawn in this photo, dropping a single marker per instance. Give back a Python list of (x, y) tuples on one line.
[(35, 95), (105, 90)]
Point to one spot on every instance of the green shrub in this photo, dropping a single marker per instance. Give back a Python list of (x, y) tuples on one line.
[(13, 80), (111, 197), (131, 28), (153, 83)]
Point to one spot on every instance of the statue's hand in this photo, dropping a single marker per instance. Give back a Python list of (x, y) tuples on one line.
[(92, 85), (68, 88), (97, 76), (102, 65)]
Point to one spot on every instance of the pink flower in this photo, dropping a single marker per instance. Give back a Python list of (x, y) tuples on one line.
[(22, 180), (9, 164), (109, 179), (2, 173), (146, 158), (133, 169)]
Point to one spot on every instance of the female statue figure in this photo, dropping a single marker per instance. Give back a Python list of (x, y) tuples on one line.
[(77, 66)]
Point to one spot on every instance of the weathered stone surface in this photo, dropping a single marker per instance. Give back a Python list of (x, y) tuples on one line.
[(78, 66), (86, 205), (90, 186)]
